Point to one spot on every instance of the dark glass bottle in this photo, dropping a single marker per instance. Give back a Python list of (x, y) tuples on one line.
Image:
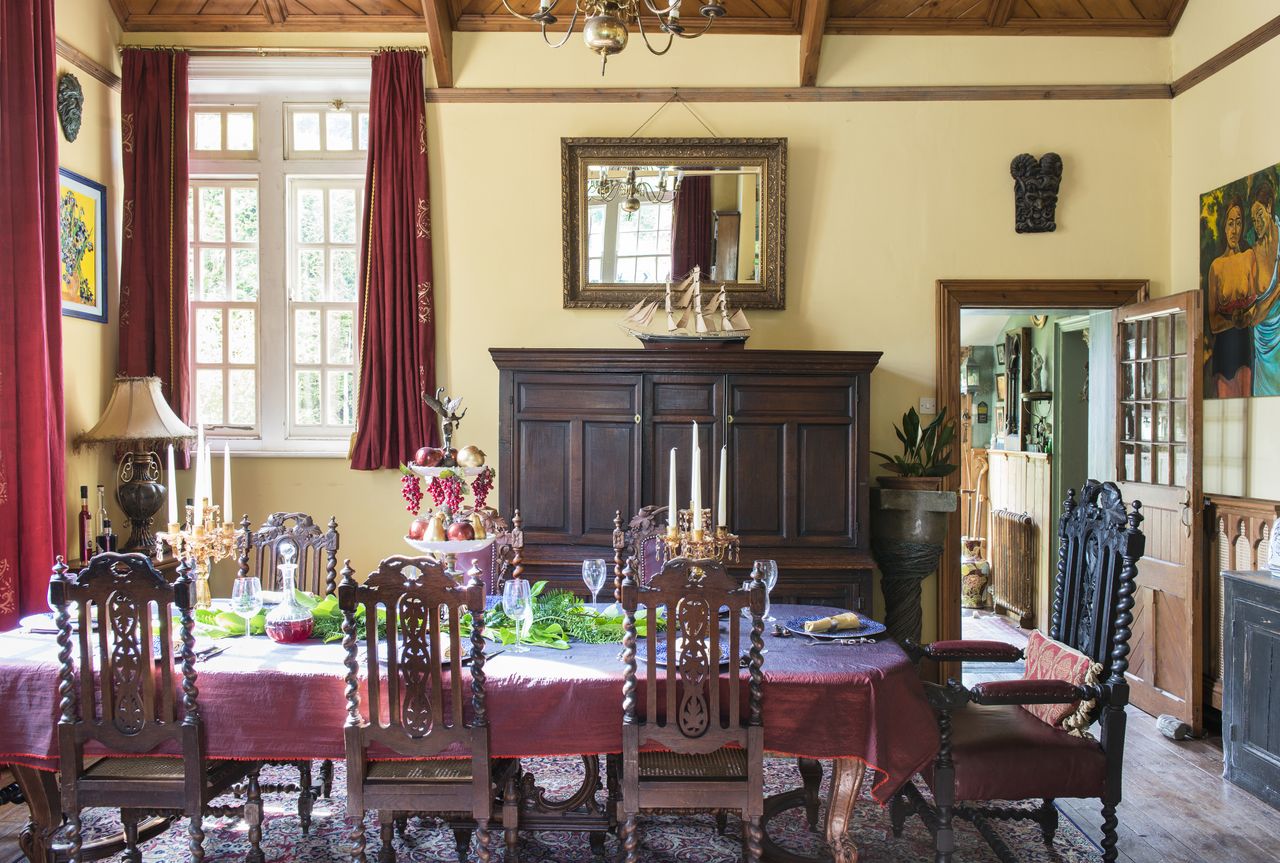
[(86, 525)]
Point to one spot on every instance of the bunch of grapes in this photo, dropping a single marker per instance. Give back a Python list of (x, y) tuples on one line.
[(481, 486), (447, 490), (411, 491)]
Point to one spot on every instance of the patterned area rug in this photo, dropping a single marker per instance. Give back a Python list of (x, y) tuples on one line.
[(663, 839)]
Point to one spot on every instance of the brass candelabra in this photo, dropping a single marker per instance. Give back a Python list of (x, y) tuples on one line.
[(203, 543), (702, 544)]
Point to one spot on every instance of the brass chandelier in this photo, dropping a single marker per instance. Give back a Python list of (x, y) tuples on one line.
[(604, 27), (606, 188)]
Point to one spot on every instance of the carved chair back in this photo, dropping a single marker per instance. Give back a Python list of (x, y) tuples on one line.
[(502, 561), (1100, 544), (315, 551), (701, 705), (121, 690), (421, 713), (641, 540)]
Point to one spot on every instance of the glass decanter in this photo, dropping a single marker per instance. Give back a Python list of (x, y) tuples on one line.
[(290, 621)]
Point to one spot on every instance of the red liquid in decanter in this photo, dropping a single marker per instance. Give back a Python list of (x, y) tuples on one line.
[(290, 631)]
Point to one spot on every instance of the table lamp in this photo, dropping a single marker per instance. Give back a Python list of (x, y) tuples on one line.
[(138, 417)]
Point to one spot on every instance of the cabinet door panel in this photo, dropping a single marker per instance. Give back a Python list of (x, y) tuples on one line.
[(542, 481), (677, 435), (758, 480), (696, 397), (577, 395), (608, 482), (826, 477), (676, 401), (790, 397)]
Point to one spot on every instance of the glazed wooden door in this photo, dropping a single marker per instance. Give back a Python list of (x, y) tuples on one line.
[(1158, 463), (576, 442)]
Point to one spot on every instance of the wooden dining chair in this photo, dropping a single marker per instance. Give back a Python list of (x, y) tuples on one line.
[(641, 539), (693, 746), (316, 553), (1028, 739), (504, 559), (437, 758), (130, 706)]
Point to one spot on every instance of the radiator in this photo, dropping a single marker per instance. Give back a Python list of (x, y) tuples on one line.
[(1013, 564)]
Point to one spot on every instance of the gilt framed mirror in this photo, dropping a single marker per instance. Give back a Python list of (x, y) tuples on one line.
[(641, 211)]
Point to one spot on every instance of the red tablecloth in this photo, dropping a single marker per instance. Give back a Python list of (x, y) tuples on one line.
[(264, 701)]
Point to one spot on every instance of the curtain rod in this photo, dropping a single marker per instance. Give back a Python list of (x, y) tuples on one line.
[(228, 51)]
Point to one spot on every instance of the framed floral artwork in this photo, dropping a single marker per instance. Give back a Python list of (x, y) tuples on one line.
[(82, 246)]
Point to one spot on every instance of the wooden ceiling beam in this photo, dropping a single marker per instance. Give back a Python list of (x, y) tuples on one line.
[(998, 14), (275, 11), (813, 23), (1175, 14), (439, 39), (121, 10)]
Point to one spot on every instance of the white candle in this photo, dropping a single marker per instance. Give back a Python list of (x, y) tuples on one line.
[(228, 514), (723, 510), (197, 513), (173, 490), (696, 481), (673, 506)]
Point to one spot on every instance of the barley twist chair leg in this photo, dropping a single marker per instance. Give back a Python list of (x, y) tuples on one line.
[(195, 838), (1109, 835), (754, 837), (357, 840), (74, 838), (482, 842), (630, 841)]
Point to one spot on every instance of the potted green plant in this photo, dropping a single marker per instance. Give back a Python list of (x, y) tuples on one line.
[(909, 516), (925, 453)]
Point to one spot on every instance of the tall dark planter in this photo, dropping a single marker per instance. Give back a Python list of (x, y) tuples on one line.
[(908, 529)]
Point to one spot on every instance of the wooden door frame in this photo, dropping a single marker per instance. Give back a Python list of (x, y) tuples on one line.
[(957, 294)]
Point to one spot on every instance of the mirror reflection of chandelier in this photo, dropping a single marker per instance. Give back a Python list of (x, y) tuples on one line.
[(604, 27), (631, 190)]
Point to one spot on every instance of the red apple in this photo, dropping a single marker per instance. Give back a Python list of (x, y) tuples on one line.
[(461, 530), (418, 527), (428, 456)]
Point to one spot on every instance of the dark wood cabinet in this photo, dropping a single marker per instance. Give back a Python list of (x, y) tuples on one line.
[(585, 433), (1251, 683)]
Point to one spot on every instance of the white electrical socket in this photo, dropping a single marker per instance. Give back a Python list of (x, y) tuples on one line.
[(928, 405)]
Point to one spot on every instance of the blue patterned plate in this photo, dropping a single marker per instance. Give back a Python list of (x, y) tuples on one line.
[(660, 652), (869, 627)]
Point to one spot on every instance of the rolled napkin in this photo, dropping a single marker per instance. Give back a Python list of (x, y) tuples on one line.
[(847, 620)]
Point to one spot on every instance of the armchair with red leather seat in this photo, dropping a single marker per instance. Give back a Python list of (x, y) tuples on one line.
[(1016, 740)]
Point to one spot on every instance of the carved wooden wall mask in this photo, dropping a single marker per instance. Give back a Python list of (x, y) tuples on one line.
[(1035, 192)]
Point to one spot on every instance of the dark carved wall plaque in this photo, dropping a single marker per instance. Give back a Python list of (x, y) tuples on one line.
[(70, 104), (1035, 192)]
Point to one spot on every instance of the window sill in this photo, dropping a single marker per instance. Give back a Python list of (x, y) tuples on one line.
[(253, 448)]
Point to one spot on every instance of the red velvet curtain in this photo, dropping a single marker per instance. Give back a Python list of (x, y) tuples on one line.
[(396, 312), (691, 231), (153, 265), (32, 439)]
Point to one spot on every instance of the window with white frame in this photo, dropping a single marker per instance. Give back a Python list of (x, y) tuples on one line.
[(274, 261), (629, 247), (324, 230)]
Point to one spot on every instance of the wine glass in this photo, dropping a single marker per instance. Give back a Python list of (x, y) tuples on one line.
[(593, 575), (518, 605), (768, 573), (746, 611), (246, 599)]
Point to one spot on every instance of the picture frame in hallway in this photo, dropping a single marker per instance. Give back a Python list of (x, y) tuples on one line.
[(82, 247)]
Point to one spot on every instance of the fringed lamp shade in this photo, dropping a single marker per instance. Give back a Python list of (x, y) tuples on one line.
[(137, 412), (138, 415)]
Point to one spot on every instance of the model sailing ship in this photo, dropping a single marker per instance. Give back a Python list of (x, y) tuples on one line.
[(688, 320)]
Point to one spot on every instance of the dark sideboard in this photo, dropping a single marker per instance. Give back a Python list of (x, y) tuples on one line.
[(1251, 683), (585, 433)]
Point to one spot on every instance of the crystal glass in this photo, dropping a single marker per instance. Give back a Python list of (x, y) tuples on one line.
[(290, 621), (518, 605), (246, 599), (593, 576), (768, 572), (746, 611)]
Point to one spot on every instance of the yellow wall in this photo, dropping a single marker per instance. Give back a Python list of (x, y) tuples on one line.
[(89, 348), (883, 199), (1223, 129)]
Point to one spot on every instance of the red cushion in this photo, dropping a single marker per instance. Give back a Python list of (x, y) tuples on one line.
[(1052, 660), (974, 651), (1002, 752), (1025, 692)]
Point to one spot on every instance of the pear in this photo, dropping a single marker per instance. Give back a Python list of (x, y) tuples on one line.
[(435, 530), (477, 523)]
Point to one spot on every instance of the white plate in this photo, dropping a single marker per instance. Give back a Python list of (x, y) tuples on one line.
[(450, 546)]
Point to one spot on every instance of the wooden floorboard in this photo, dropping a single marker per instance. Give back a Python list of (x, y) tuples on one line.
[(1176, 806)]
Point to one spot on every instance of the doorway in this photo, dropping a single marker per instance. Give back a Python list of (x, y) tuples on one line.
[(1022, 432)]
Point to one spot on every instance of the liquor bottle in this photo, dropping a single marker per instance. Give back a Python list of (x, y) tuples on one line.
[(107, 540), (86, 529), (103, 518)]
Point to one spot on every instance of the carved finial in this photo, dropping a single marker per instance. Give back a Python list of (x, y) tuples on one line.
[(619, 545), (331, 558), (245, 542)]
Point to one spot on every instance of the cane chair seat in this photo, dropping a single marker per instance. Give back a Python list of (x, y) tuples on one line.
[(158, 768), (727, 764), (433, 770)]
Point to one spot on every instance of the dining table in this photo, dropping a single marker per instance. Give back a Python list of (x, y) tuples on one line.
[(858, 703)]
